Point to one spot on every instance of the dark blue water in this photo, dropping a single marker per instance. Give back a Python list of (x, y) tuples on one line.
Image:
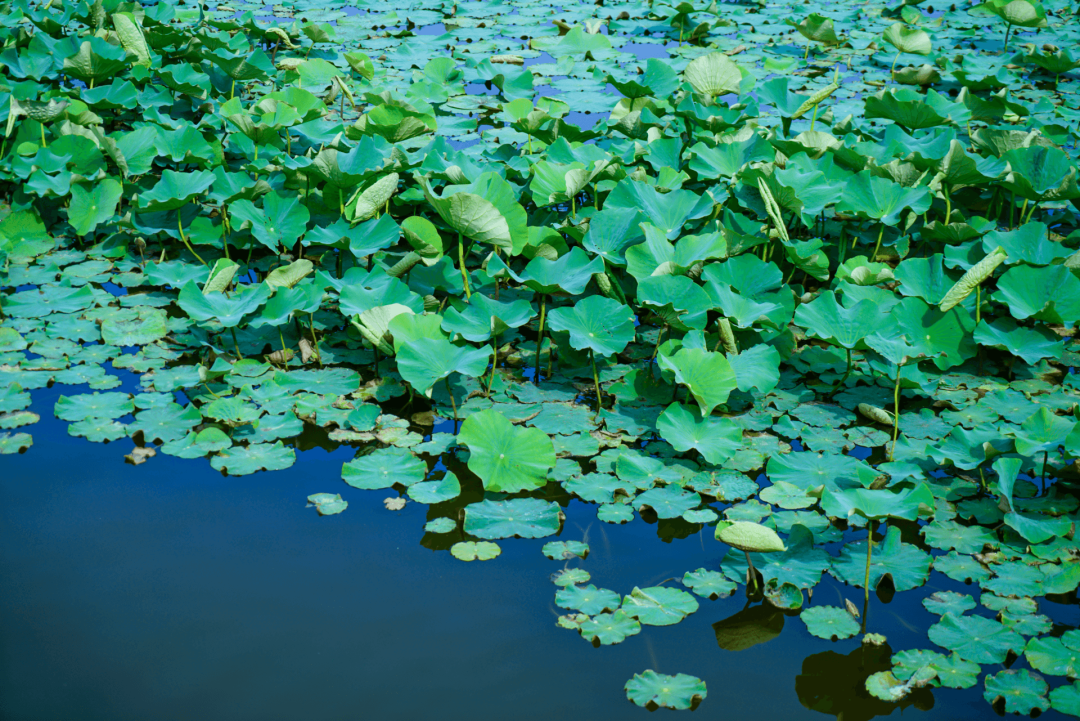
[(167, 591)]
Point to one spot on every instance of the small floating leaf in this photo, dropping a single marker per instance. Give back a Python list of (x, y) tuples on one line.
[(475, 550), (830, 622), (650, 690)]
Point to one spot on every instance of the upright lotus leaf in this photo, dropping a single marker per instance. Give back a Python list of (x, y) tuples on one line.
[(708, 376), (569, 273), (369, 201), (748, 537), (881, 199), (289, 275), (1019, 13), (598, 324), (286, 302), (1050, 294), (241, 67), (659, 256), (944, 337), (96, 59), (1043, 432), (650, 689), (279, 223), (93, 205), (129, 29), (678, 301), (425, 361), (925, 278), (669, 212), (1028, 244), (517, 517), (221, 276), (1034, 527), (975, 638), (174, 190), (817, 28), (826, 318), (612, 231), (1038, 173), (716, 439), (907, 39), (906, 565), (726, 160), (909, 109), (713, 75), (485, 211), (506, 457), (229, 311), (482, 318)]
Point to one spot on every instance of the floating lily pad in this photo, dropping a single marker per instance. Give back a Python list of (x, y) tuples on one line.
[(1055, 656), (475, 550), (384, 468), (564, 550), (1022, 691), (440, 525), (571, 577), (607, 629), (431, 492), (652, 690), (328, 504), (590, 600), (830, 622), (975, 638), (709, 584), (659, 606), (11, 443), (520, 517), (242, 461), (944, 602)]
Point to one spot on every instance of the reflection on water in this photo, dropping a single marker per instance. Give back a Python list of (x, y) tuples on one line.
[(834, 684), (749, 627)]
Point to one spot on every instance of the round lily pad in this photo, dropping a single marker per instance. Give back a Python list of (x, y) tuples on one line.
[(830, 622), (615, 513), (709, 584), (328, 504), (607, 629), (94, 405), (1023, 691), (1066, 699), (650, 689), (440, 525), (564, 550), (667, 502), (11, 443), (975, 638), (570, 577), (590, 600), (659, 606), (446, 488), (242, 461), (944, 602), (521, 517), (384, 468), (475, 550), (100, 430), (1055, 656)]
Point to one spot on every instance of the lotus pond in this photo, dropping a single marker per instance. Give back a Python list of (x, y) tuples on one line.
[(539, 359)]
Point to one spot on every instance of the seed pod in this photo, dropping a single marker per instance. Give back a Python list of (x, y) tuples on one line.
[(876, 414), (815, 99), (975, 275)]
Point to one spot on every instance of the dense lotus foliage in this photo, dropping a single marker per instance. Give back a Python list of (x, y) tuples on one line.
[(811, 269)]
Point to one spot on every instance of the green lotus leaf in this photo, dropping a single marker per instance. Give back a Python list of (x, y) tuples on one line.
[(1028, 244), (174, 190), (590, 600), (426, 361), (1055, 656), (667, 502), (145, 328), (38, 304), (242, 461), (521, 517), (607, 629), (669, 212), (99, 430), (95, 59), (599, 487), (18, 419), (709, 584), (1022, 690), (906, 565), (683, 427), (94, 205), (11, 443), (1030, 344), (975, 638), (1040, 173), (713, 74), (786, 495), (94, 405), (612, 231), (596, 323), (432, 492), (167, 422), (907, 40), (658, 256), (829, 622), (506, 457), (565, 550), (1050, 294), (570, 577), (651, 690), (708, 376), (475, 550), (229, 311), (962, 568), (1035, 528), (878, 504), (328, 504), (813, 470), (1066, 699), (881, 199), (659, 606), (384, 468), (952, 671), (481, 318), (677, 301), (279, 223), (484, 211), (569, 273), (950, 535), (908, 108), (749, 537), (198, 444), (440, 525), (944, 602), (827, 319)]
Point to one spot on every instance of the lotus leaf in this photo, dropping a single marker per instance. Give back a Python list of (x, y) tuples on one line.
[(521, 517), (610, 628), (829, 622), (475, 550), (590, 600)]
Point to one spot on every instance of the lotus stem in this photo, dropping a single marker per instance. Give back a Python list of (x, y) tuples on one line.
[(453, 403), (180, 226), (43, 143), (1046, 460), (573, 206), (1008, 30), (596, 380), (461, 262), (751, 572), (315, 341), (877, 247), (660, 337), (892, 70), (978, 303), (540, 336), (948, 205), (869, 549), (1031, 212), (494, 361), (239, 355), (896, 413), (284, 350)]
